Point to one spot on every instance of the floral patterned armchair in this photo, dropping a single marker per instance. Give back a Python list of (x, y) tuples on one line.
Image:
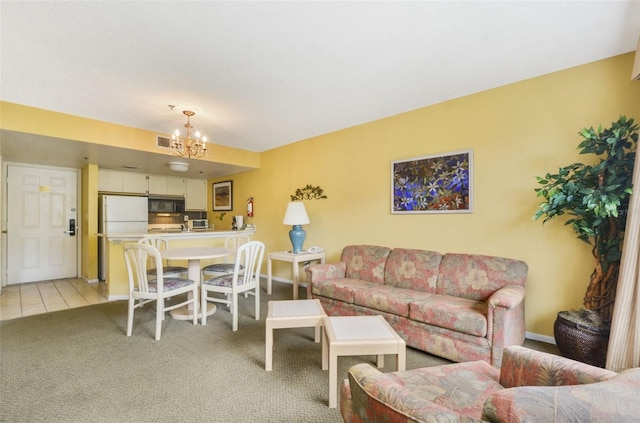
[(531, 386)]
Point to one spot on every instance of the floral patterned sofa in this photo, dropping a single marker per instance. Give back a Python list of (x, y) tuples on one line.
[(531, 386), (462, 307)]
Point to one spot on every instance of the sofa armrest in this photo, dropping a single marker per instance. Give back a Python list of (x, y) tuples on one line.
[(510, 296), (322, 272), (525, 367), (505, 320), (369, 405)]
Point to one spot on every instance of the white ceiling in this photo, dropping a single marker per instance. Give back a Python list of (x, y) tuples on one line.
[(264, 74)]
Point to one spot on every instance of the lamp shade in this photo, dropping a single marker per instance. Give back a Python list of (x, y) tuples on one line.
[(296, 214)]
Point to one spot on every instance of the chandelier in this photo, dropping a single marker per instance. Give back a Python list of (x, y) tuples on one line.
[(186, 146)]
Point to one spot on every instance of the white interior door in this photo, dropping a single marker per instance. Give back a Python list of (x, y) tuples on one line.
[(41, 208)]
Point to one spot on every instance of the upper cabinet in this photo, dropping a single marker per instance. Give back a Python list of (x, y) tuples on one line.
[(135, 182), (194, 190), (125, 182), (175, 186), (166, 185), (196, 198)]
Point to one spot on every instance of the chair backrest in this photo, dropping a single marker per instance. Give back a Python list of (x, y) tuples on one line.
[(137, 256), (250, 256), (158, 243), (155, 241), (233, 243)]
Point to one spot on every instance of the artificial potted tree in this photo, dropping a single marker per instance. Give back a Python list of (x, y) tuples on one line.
[(595, 196)]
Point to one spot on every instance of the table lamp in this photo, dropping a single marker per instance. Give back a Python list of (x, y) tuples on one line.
[(296, 215)]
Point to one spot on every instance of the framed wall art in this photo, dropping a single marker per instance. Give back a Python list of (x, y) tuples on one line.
[(223, 196), (440, 183)]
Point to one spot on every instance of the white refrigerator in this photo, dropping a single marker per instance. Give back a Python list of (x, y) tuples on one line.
[(119, 214)]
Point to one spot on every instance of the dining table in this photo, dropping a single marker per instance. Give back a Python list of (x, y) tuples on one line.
[(194, 255)]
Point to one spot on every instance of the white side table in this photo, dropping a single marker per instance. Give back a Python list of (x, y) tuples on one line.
[(291, 314), (358, 335), (296, 259)]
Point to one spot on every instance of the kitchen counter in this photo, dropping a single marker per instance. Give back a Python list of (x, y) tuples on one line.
[(117, 279), (209, 233)]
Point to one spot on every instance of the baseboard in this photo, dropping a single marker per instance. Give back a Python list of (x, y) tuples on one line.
[(541, 338), (118, 297)]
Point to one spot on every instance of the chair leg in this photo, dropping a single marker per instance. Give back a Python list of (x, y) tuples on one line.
[(203, 306), (159, 317), (132, 304), (257, 298), (234, 312), (194, 298)]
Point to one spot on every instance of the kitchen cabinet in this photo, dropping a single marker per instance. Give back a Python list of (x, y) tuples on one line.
[(125, 182), (166, 185), (175, 186), (196, 194), (135, 183)]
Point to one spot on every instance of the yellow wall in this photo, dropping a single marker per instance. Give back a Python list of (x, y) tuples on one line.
[(516, 131), (31, 120)]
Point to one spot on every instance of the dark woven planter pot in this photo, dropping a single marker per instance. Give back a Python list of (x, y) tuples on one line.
[(581, 343)]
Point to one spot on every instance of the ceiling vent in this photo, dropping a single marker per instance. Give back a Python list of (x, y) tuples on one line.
[(163, 142)]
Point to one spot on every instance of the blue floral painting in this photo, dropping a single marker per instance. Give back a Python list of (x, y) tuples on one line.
[(433, 184)]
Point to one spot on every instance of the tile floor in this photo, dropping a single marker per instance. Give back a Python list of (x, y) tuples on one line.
[(46, 296)]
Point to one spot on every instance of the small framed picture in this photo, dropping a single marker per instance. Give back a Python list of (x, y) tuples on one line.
[(223, 196)]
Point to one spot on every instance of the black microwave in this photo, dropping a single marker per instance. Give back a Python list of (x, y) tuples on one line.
[(166, 205)]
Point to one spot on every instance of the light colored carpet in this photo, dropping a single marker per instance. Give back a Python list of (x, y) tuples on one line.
[(78, 366)]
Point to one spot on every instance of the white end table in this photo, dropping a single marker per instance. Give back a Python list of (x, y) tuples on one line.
[(296, 259), (358, 335), (291, 314)]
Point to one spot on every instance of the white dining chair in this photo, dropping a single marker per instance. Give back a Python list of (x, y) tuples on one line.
[(143, 289), (231, 243), (248, 256), (170, 271)]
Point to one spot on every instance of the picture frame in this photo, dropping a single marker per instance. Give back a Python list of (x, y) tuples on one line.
[(222, 196), (437, 183)]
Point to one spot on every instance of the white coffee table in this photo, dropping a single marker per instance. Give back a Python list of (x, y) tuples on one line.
[(291, 314), (358, 335)]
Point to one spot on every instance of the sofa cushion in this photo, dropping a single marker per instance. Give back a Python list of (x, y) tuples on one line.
[(385, 298), (340, 289), (477, 277), (615, 400), (458, 314), (459, 388), (412, 269), (365, 262)]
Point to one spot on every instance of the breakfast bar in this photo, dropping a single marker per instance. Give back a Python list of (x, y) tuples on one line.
[(116, 276)]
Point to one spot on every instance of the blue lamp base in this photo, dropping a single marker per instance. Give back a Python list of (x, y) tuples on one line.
[(296, 235)]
